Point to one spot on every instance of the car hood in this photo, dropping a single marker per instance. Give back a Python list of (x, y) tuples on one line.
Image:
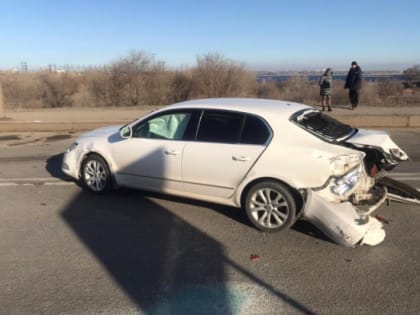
[(378, 139), (101, 132)]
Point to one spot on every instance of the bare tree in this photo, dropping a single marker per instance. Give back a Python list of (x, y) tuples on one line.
[(299, 89), (181, 85), (98, 86), (134, 80), (216, 76), (58, 89), (22, 90), (413, 73), (140, 79)]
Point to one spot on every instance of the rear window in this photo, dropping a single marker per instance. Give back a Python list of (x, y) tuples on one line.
[(255, 131), (323, 125)]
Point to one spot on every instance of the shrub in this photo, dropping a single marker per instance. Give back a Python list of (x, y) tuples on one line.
[(413, 73), (97, 85), (140, 79), (216, 76), (180, 86), (22, 90), (299, 89), (58, 89), (390, 91)]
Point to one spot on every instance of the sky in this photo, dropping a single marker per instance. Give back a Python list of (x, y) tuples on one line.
[(263, 34)]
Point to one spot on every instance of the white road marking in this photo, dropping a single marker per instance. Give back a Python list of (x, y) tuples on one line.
[(33, 181), (398, 174), (29, 179), (8, 184), (409, 177), (60, 184)]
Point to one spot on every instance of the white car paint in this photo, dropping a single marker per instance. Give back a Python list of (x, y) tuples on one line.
[(221, 173), (380, 139), (342, 222), (228, 167), (158, 162)]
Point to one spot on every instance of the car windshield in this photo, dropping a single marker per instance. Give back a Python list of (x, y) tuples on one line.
[(323, 125)]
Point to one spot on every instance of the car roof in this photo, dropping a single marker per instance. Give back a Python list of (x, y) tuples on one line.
[(257, 106)]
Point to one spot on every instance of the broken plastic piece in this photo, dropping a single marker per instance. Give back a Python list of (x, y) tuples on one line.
[(382, 219), (374, 170), (254, 257)]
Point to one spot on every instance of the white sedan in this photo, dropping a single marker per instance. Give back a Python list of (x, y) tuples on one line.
[(278, 160)]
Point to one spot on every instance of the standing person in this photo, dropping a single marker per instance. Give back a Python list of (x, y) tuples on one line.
[(325, 86), (354, 83)]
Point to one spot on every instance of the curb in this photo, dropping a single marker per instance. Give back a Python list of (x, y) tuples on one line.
[(383, 121), (66, 126), (370, 121)]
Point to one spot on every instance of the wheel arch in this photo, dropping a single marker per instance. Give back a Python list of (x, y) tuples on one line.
[(87, 154), (299, 195), (93, 152)]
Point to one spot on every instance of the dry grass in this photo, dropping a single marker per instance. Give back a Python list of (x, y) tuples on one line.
[(139, 79)]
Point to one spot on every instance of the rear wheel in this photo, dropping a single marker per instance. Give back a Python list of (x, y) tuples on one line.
[(95, 174), (270, 206)]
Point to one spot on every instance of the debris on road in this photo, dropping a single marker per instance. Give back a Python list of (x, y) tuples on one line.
[(382, 219), (254, 257)]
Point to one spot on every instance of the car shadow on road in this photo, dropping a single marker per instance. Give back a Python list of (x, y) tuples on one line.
[(235, 214), (162, 263), (53, 166), (309, 229), (152, 254), (54, 163), (240, 217)]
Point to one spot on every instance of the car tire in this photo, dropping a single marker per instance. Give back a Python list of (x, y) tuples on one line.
[(95, 174), (270, 206)]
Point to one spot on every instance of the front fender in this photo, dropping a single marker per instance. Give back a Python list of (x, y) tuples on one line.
[(91, 148)]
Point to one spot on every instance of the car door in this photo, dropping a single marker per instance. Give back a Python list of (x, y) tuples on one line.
[(226, 146), (151, 158)]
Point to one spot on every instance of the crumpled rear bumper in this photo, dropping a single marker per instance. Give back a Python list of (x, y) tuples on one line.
[(342, 222)]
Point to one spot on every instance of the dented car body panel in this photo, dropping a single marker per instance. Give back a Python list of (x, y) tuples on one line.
[(343, 223), (342, 207)]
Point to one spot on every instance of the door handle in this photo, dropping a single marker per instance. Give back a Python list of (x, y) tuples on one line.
[(172, 152), (240, 158)]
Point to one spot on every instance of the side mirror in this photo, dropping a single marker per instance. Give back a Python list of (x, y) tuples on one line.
[(126, 132)]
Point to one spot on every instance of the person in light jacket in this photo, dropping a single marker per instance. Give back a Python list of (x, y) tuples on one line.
[(325, 86), (354, 84)]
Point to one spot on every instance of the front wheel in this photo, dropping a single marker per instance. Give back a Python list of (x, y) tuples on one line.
[(95, 174), (270, 206)]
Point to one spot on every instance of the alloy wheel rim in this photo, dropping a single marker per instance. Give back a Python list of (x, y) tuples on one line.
[(95, 175), (269, 208)]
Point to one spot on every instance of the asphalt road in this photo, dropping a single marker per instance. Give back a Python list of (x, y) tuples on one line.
[(66, 251)]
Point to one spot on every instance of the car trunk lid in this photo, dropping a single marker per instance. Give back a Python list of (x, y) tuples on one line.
[(380, 140)]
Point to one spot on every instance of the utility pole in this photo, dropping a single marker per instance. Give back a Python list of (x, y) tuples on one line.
[(2, 109), (24, 66)]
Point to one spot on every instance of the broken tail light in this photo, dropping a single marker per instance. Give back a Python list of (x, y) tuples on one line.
[(346, 183)]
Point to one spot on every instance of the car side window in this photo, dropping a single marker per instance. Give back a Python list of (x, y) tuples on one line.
[(170, 126), (220, 127), (255, 131)]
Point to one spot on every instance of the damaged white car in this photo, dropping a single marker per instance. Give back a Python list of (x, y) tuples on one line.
[(280, 161)]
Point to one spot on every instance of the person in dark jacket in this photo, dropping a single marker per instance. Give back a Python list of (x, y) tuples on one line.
[(354, 83), (325, 86)]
